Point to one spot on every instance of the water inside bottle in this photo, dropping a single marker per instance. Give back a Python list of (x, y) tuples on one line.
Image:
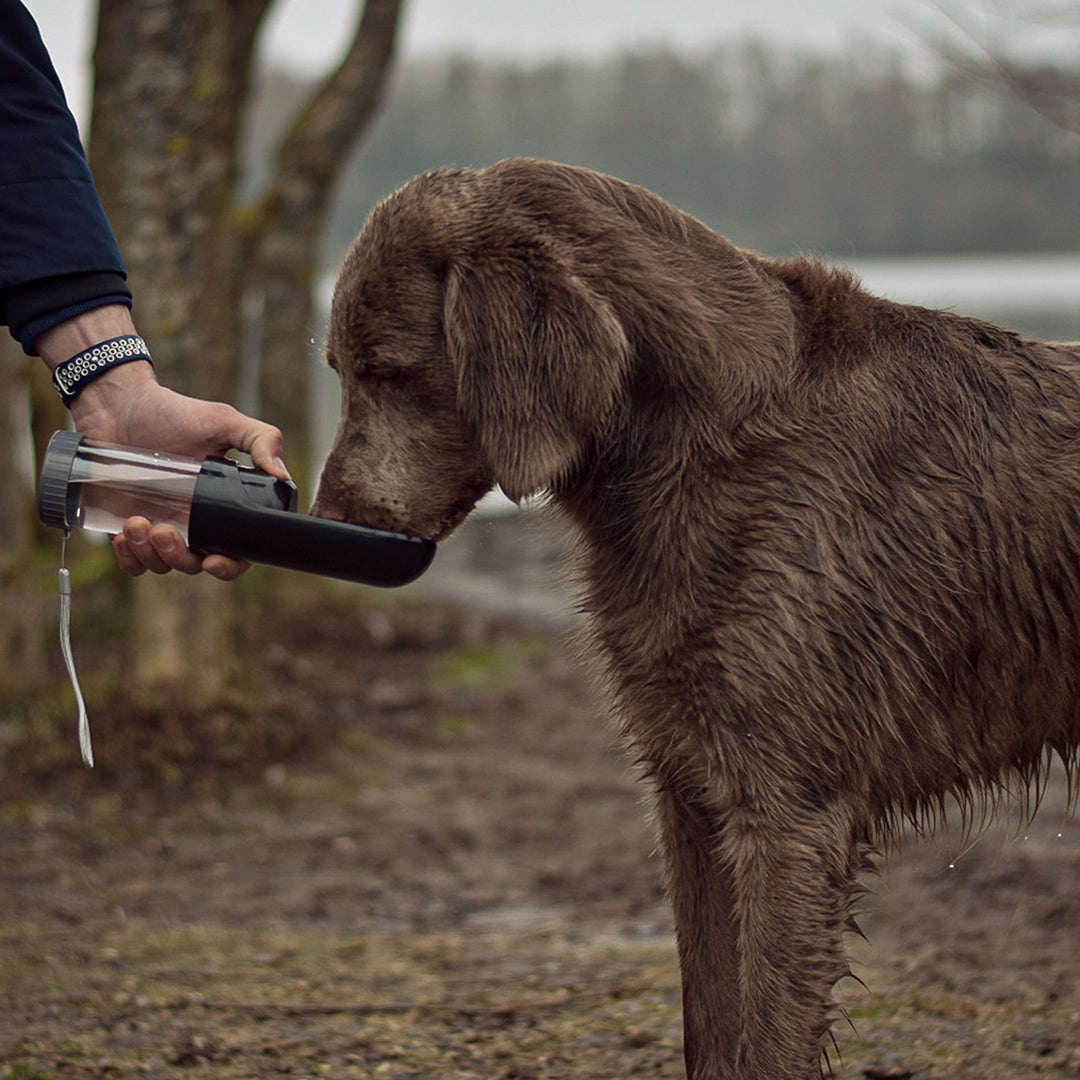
[(115, 483)]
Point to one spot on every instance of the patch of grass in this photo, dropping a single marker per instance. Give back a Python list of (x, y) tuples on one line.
[(28, 1072), (308, 693), (231, 1002), (933, 1032), (158, 741), (489, 665), (453, 725), (474, 667)]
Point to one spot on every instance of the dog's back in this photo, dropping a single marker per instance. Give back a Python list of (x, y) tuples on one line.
[(830, 544)]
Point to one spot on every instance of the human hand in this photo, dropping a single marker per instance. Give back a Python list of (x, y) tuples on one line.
[(128, 406), (144, 413)]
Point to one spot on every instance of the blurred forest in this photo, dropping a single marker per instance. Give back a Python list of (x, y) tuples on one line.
[(862, 155), (781, 153)]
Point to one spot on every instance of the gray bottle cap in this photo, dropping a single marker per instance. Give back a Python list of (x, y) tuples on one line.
[(57, 506)]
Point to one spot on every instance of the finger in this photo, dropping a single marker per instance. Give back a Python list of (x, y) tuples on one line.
[(161, 549), (264, 443), (167, 551), (138, 552), (224, 568), (158, 549), (125, 557)]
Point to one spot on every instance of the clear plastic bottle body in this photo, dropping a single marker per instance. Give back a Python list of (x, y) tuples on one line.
[(114, 483)]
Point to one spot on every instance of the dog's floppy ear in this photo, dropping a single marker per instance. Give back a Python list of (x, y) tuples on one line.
[(539, 357)]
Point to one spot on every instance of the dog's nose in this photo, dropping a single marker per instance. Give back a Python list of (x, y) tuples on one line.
[(324, 508)]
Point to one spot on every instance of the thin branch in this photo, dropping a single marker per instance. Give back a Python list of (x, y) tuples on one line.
[(1052, 92), (327, 128)]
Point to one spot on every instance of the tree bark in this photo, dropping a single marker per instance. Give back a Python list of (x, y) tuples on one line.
[(283, 224), (171, 79), (21, 643), (171, 82)]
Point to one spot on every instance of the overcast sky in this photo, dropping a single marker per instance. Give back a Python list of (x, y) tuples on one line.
[(308, 34)]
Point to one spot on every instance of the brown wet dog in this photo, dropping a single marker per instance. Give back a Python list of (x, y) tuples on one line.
[(829, 544)]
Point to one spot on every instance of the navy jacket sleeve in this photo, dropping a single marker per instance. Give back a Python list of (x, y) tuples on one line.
[(58, 253)]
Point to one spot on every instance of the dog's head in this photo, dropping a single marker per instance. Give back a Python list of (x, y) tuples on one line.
[(471, 352)]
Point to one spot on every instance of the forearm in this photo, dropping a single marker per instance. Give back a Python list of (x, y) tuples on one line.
[(82, 332), (101, 403)]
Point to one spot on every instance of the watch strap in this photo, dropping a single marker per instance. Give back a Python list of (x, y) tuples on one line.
[(73, 375)]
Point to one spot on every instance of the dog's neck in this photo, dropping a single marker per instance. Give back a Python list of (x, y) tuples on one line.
[(646, 555)]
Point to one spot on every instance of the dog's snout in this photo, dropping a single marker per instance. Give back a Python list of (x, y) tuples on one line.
[(325, 508)]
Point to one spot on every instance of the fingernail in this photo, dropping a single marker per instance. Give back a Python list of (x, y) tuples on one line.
[(166, 544), (138, 534), (282, 466)]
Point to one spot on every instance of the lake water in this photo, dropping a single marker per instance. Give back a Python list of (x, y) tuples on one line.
[(1035, 294)]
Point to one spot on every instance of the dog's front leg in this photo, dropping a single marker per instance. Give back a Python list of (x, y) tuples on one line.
[(760, 908), (703, 904)]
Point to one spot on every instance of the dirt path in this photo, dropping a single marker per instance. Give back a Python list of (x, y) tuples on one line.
[(462, 886)]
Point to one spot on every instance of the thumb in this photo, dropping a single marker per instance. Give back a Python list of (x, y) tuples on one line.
[(263, 442)]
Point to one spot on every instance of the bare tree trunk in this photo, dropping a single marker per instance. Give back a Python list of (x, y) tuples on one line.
[(21, 642), (285, 237), (171, 80), (171, 84)]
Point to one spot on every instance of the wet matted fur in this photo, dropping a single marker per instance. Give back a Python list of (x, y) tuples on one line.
[(829, 544)]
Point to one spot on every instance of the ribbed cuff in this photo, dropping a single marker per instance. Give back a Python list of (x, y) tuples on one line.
[(31, 309), (29, 333)]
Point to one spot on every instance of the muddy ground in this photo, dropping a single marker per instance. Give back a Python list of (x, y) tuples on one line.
[(438, 866)]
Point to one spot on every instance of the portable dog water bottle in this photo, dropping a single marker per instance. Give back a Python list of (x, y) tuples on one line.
[(219, 507)]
